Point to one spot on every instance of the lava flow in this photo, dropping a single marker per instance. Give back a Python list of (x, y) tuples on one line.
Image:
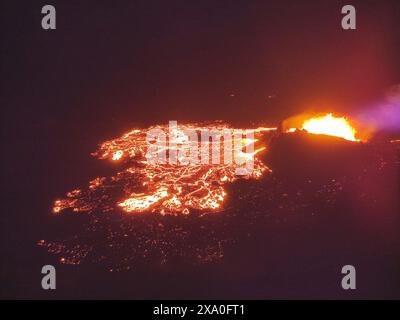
[(134, 237), (165, 188)]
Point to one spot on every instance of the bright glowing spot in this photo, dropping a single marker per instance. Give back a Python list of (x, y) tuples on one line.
[(57, 208), (332, 126), (140, 202), (117, 155)]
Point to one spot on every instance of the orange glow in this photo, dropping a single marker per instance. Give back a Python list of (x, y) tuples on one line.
[(329, 125), (332, 126), (57, 206)]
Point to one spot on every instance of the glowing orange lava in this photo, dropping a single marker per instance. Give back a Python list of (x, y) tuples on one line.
[(330, 125), (163, 188)]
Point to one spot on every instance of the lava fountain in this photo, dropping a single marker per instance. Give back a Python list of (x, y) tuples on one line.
[(329, 125)]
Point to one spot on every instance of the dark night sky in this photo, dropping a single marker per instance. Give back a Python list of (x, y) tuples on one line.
[(138, 61), (111, 65)]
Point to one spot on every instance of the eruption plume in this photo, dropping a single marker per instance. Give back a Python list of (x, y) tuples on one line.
[(383, 115)]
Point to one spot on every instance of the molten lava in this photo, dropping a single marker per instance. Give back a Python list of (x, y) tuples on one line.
[(142, 186), (330, 125)]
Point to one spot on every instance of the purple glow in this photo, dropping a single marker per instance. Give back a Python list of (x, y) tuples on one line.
[(383, 115)]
